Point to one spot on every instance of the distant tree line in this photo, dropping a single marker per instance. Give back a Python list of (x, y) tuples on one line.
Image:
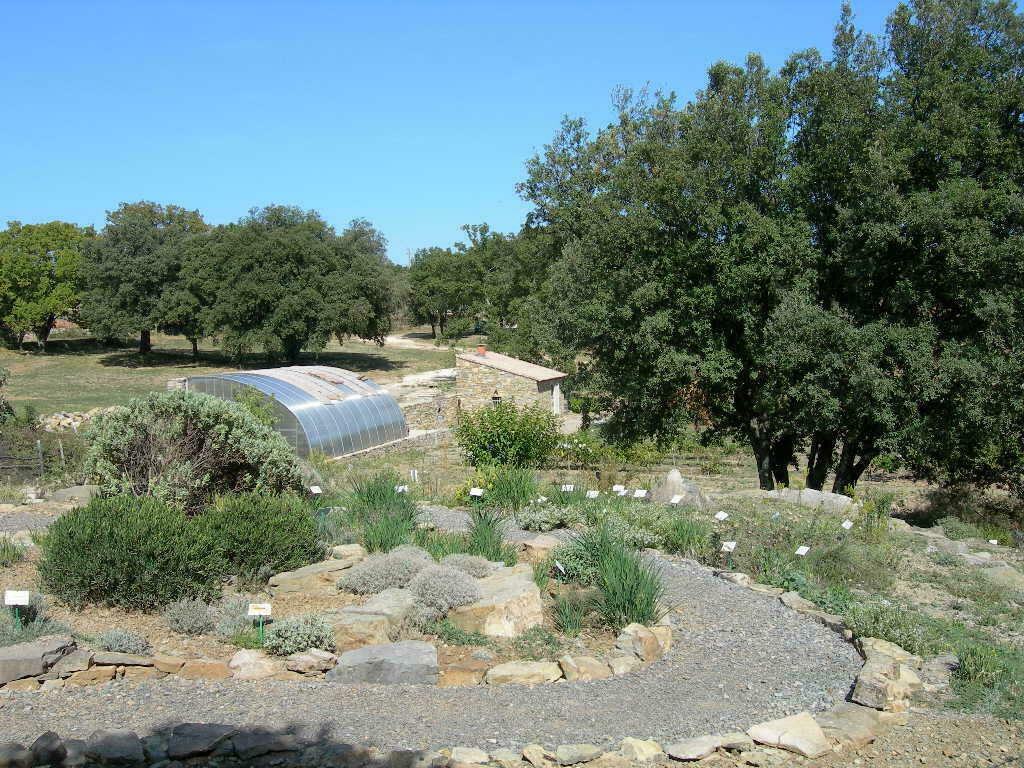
[(823, 261), (278, 281)]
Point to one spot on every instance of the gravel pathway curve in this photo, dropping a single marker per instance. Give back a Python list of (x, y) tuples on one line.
[(28, 517), (738, 658)]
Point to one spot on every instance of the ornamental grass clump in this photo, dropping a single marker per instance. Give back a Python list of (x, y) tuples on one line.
[(298, 633), (485, 538), (629, 589), (444, 588)]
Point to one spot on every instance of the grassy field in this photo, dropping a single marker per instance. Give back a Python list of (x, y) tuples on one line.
[(77, 372)]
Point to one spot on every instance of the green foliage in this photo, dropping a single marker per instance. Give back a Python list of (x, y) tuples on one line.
[(444, 588), (184, 448), (896, 623), (990, 679), (485, 538), (571, 611), (246, 638), (231, 617), (123, 641), (32, 623), (502, 433), (135, 553), (690, 538), (298, 633), (449, 634), (440, 544), (505, 487), (259, 405), (542, 573), (536, 644), (385, 517), (547, 515), (629, 588), (10, 553), (258, 534)]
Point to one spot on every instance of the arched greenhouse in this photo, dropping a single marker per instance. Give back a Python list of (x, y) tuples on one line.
[(318, 408)]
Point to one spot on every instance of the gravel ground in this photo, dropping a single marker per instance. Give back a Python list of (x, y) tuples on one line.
[(739, 658), (30, 517)]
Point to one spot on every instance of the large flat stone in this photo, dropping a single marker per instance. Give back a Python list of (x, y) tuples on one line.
[(639, 640), (523, 673), (34, 658), (511, 604), (316, 579), (808, 497), (583, 668), (410, 661), (354, 630), (194, 739), (796, 733), (693, 749), (393, 604), (849, 724), (75, 661), (110, 658), (117, 747)]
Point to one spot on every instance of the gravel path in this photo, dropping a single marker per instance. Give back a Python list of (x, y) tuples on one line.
[(738, 658), (29, 517)]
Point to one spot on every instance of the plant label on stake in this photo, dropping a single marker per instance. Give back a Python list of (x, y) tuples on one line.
[(260, 610), (560, 567), (414, 474), (16, 598), (993, 541), (720, 516), (593, 494), (568, 488), (622, 492), (847, 524), (728, 546), (316, 490), (618, 488), (478, 492), (541, 499), (675, 499), (640, 493), (801, 551), (401, 489)]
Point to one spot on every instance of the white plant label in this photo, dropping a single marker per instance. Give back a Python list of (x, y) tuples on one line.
[(847, 524), (720, 516), (675, 499), (401, 489), (16, 597), (541, 499), (622, 492), (593, 494), (568, 488), (476, 491), (316, 490), (728, 546), (801, 551), (414, 474), (993, 541), (640, 493), (617, 488), (559, 566)]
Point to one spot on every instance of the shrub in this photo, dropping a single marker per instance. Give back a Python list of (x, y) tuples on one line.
[(440, 544), (189, 617), (506, 488), (384, 571), (10, 552), (630, 589), (504, 434), (136, 553), (123, 641), (895, 623), (543, 516), (184, 448), (386, 517), (485, 539), (578, 558), (449, 634), (444, 588), (32, 623), (476, 566), (231, 617), (298, 633), (255, 533), (536, 644)]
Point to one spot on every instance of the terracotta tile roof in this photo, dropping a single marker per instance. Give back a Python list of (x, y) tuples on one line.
[(512, 365)]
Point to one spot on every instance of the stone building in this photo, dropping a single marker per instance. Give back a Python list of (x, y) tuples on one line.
[(484, 377)]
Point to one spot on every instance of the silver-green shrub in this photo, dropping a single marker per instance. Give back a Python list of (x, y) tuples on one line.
[(189, 617), (298, 633), (231, 616), (542, 516), (186, 447), (443, 587), (379, 572), (123, 641), (476, 566)]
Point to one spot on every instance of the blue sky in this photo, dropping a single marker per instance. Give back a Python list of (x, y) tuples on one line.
[(417, 116)]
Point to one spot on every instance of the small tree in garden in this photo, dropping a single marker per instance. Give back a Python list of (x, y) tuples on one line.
[(504, 434), (184, 448)]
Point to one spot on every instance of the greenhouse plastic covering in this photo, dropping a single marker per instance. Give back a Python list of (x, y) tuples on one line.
[(318, 408)]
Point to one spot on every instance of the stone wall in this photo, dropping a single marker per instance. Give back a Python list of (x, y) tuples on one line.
[(476, 384), (433, 413)]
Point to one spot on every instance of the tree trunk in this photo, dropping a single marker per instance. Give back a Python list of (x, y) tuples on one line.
[(763, 454), (781, 457), (43, 331), (433, 329), (850, 468), (145, 342), (195, 348), (820, 458), (440, 324)]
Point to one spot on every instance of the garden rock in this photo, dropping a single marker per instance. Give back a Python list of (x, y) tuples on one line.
[(570, 754), (115, 746), (79, 495), (1004, 576), (354, 630), (311, 661), (674, 484), (536, 755), (349, 552), (693, 749), (808, 497), (796, 733), (135, 674), (410, 661), (204, 669), (316, 579), (34, 658), (466, 672), (110, 658), (14, 755), (736, 577), (48, 749), (75, 661), (252, 665), (52, 685), (510, 605), (169, 664), (25, 684), (849, 725), (875, 649), (193, 739), (248, 744), (93, 676), (736, 742), (393, 604), (523, 673), (639, 640), (639, 750), (663, 633), (877, 686), (623, 665), (470, 755), (540, 547), (796, 602), (583, 668)]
